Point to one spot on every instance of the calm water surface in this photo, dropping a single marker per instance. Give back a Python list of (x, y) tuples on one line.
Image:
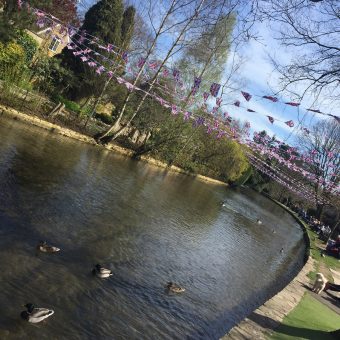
[(148, 226)]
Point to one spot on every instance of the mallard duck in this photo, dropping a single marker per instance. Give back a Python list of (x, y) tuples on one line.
[(45, 248), (35, 315), (101, 272), (173, 287)]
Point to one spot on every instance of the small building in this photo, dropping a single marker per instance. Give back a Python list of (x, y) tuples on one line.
[(51, 40)]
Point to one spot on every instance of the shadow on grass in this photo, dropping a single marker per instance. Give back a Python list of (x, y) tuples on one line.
[(281, 331), (304, 333)]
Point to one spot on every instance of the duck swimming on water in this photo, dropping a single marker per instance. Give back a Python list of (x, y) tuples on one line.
[(173, 287), (258, 221), (101, 272), (35, 315), (45, 248)]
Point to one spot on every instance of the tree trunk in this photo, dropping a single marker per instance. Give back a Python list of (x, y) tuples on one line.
[(319, 211)]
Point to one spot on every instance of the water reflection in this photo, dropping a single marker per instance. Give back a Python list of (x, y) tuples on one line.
[(148, 226)]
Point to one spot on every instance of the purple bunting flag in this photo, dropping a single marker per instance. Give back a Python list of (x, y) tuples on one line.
[(273, 99), (290, 123), (174, 110), (187, 115), (214, 89), (292, 104), (246, 95), (271, 119), (141, 62)]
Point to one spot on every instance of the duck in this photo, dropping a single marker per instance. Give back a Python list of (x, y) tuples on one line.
[(258, 221), (101, 272), (35, 315), (173, 287), (45, 248), (281, 250)]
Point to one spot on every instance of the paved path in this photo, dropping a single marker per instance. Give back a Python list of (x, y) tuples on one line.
[(261, 323)]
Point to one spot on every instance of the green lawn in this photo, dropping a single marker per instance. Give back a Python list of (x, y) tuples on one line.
[(309, 320)]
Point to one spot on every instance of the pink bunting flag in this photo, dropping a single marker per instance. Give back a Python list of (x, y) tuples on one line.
[(125, 56), (110, 74), (205, 96), (100, 69), (187, 115), (219, 101), (153, 65), (273, 99), (290, 123), (83, 59), (292, 104), (129, 86), (166, 72), (92, 64), (109, 48), (141, 62), (237, 103), (174, 110), (246, 95), (70, 47), (271, 119)]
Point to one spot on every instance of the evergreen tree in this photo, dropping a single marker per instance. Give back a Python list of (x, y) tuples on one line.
[(127, 26), (107, 21), (104, 20)]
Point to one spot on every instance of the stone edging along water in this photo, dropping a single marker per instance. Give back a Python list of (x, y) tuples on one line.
[(36, 121), (261, 323)]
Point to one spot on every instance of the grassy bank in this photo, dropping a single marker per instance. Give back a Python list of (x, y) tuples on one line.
[(309, 320)]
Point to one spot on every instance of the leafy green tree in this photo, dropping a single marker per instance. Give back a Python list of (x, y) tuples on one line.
[(205, 57)]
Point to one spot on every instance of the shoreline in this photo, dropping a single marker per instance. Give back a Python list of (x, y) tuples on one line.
[(261, 323), (9, 112)]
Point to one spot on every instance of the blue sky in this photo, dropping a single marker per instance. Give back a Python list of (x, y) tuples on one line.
[(259, 77)]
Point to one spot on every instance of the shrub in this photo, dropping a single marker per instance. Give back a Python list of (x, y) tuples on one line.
[(29, 45), (12, 62), (104, 118), (69, 104)]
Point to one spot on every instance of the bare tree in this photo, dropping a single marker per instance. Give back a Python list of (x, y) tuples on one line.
[(311, 30), (323, 146)]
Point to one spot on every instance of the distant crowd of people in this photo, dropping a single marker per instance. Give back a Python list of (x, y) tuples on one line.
[(324, 231)]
